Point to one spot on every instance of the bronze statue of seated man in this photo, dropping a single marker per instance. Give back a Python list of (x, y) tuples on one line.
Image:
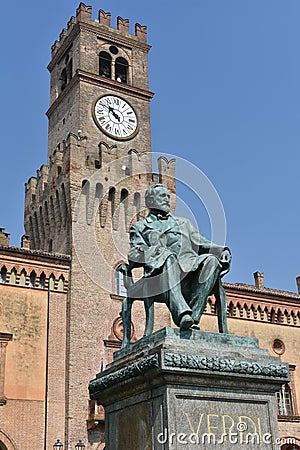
[(181, 267)]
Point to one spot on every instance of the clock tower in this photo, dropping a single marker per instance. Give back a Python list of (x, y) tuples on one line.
[(82, 202)]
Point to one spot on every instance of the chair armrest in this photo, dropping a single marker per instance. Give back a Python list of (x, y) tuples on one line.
[(127, 275)]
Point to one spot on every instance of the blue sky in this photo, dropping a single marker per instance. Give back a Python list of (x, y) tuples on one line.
[(226, 77)]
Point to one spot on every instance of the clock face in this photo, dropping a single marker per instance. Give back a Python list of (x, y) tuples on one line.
[(115, 117)]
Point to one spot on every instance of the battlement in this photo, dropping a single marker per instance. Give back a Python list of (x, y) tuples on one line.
[(84, 14), (4, 237), (35, 186), (42, 176)]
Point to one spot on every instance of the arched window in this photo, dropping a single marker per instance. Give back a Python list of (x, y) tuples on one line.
[(121, 70), (60, 284), (32, 279), (42, 281), (85, 187), (119, 283), (124, 195), (13, 276), (124, 202), (3, 274), (99, 191), (111, 199), (51, 282), (105, 64), (22, 281), (63, 79)]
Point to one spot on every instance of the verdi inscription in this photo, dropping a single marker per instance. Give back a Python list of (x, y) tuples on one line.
[(220, 423)]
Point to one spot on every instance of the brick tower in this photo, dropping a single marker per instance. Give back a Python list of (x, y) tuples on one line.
[(82, 202)]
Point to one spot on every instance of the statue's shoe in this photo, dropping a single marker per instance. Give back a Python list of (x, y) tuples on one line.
[(186, 322)]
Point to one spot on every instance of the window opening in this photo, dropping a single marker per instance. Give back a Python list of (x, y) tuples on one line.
[(32, 279), (284, 401), (113, 49), (42, 281), (119, 283), (121, 70), (105, 64), (3, 274)]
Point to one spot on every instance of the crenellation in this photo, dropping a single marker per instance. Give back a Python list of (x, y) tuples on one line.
[(83, 13), (71, 23), (123, 25), (63, 35), (141, 32), (166, 167), (30, 191), (42, 180), (4, 237), (104, 18), (25, 242), (54, 48), (55, 166), (31, 183)]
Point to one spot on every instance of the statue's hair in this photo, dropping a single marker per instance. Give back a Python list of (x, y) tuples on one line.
[(149, 194)]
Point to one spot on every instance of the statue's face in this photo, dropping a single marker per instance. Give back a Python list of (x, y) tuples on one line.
[(161, 200)]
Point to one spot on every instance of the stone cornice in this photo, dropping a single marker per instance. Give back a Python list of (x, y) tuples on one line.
[(35, 253), (125, 373), (61, 96), (261, 293), (194, 363), (97, 80), (226, 365), (121, 88)]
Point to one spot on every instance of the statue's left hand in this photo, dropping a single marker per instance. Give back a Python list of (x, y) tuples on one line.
[(225, 260), (226, 256)]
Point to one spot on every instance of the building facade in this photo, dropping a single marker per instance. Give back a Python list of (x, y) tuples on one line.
[(60, 293)]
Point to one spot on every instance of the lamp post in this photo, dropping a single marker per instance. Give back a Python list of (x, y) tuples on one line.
[(59, 445)]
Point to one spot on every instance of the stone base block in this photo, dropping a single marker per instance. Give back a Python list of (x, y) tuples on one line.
[(191, 390)]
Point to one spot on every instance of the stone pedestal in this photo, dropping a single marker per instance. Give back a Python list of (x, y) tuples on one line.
[(190, 390)]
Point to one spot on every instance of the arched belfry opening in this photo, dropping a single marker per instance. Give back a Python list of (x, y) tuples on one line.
[(121, 70), (105, 64)]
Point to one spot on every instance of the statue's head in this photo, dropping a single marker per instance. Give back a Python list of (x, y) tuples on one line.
[(157, 197)]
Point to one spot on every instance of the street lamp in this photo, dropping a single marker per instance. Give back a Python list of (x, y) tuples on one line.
[(58, 445)]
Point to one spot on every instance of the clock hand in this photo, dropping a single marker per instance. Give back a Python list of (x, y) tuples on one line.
[(111, 110)]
